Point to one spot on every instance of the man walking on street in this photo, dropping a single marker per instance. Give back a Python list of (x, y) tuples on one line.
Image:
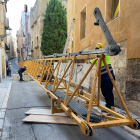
[(20, 71)]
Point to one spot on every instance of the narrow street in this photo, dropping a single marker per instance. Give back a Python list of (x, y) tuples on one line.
[(15, 66), (27, 95), (82, 56)]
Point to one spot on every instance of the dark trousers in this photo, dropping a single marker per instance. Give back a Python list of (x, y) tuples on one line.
[(107, 88), (9, 72), (20, 74)]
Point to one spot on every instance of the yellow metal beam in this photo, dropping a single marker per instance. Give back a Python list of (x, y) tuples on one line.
[(38, 67)]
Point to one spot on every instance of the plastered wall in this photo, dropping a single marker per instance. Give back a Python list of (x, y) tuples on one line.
[(125, 30), (124, 27)]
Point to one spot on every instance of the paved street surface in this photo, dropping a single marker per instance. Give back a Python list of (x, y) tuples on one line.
[(27, 95)]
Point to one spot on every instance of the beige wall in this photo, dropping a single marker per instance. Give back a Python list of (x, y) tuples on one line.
[(36, 19), (38, 9), (12, 44), (36, 32), (124, 27), (3, 41), (125, 30)]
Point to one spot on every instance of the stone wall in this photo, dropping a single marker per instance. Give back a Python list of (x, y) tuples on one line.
[(36, 32), (38, 10), (125, 31), (37, 23), (12, 44), (3, 41), (127, 78)]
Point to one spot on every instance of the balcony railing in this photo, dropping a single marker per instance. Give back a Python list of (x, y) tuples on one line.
[(6, 22)]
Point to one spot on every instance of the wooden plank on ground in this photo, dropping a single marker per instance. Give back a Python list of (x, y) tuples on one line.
[(49, 119), (36, 111)]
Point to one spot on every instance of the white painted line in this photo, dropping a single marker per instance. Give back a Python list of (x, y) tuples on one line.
[(4, 106), (5, 102)]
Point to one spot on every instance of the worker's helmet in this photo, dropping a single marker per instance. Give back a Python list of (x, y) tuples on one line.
[(25, 66), (9, 63), (99, 46)]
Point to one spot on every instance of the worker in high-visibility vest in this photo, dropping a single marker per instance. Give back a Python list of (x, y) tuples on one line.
[(106, 84)]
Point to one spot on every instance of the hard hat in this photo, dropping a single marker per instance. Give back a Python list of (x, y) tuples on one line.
[(25, 66), (9, 63), (99, 46)]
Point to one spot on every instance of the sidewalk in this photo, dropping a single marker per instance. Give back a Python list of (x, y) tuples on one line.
[(5, 87)]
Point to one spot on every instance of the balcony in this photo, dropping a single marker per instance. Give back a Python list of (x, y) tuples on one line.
[(6, 22)]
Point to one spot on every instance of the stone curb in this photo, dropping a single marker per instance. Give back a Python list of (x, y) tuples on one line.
[(133, 132), (4, 106)]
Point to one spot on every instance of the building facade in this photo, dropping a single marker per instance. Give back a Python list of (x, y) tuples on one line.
[(24, 37), (18, 35), (4, 25), (37, 23), (12, 45), (122, 19)]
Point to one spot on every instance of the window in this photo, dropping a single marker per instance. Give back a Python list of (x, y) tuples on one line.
[(83, 23), (112, 9), (115, 8), (37, 41)]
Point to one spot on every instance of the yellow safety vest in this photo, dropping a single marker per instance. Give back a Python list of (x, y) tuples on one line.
[(107, 59)]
